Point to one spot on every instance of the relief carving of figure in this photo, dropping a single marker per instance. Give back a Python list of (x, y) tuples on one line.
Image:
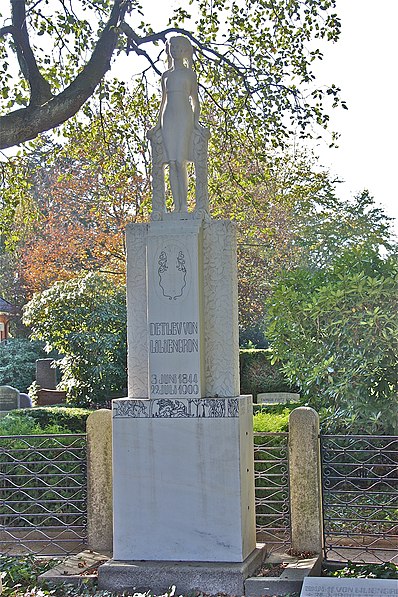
[(178, 138)]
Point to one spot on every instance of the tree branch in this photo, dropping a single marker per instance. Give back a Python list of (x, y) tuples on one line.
[(26, 123), (40, 90)]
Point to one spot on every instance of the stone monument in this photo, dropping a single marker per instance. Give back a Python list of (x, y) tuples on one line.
[(9, 399), (183, 468)]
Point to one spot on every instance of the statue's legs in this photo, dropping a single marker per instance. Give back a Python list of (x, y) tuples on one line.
[(179, 185)]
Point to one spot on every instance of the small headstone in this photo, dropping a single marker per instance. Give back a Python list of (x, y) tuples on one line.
[(46, 374), (360, 587), (9, 399), (277, 397), (25, 401)]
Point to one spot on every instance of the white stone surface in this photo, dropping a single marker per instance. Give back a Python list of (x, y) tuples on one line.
[(137, 344), (174, 309), (361, 587), (178, 138), (183, 480), (221, 309), (212, 263)]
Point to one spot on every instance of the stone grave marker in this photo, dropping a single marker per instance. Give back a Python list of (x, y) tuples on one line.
[(9, 399), (46, 374), (359, 587), (25, 400), (277, 397)]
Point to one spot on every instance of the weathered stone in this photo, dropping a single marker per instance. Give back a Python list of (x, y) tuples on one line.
[(291, 579), (206, 577), (46, 374), (277, 397), (211, 261), (99, 481), (305, 481), (25, 401), (50, 397), (9, 399)]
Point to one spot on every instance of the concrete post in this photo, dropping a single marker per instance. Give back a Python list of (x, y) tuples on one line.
[(99, 481), (305, 480)]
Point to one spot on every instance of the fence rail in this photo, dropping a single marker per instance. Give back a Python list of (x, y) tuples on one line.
[(43, 491), (271, 473), (360, 497)]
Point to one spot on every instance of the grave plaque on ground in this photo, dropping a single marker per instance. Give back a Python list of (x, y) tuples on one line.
[(9, 399), (359, 587)]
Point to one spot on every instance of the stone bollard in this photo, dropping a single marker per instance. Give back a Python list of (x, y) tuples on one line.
[(305, 481), (99, 481)]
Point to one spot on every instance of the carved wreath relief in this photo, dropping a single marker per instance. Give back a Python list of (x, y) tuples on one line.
[(172, 273)]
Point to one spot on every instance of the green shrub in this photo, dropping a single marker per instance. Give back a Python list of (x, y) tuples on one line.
[(73, 420), (352, 570), (13, 424), (20, 573), (84, 319), (18, 358), (258, 375), (270, 422)]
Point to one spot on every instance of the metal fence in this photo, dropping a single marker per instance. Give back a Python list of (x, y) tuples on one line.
[(43, 490), (271, 473), (360, 497)]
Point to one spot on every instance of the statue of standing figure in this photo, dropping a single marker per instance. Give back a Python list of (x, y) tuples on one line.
[(178, 138)]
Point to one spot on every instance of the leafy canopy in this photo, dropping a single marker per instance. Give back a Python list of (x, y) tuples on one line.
[(335, 332), (254, 60)]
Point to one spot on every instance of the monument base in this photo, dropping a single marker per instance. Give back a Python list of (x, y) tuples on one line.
[(183, 480), (158, 577)]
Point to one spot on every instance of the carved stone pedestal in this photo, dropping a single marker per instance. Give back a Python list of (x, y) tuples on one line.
[(182, 308), (183, 479), (183, 471)]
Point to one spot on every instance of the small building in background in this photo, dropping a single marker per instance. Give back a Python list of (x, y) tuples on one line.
[(7, 311)]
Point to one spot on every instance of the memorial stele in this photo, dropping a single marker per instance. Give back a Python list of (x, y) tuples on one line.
[(183, 471)]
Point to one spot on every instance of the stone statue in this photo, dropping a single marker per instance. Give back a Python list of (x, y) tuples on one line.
[(178, 138)]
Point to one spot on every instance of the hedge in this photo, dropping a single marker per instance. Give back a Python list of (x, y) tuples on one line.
[(257, 375), (69, 418)]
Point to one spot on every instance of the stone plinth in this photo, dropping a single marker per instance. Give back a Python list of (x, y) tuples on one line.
[(187, 577), (183, 478)]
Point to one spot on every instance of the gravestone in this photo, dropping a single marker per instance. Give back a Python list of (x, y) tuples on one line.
[(183, 470), (46, 374), (9, 399), (25, 400), (277, 397), (359, 587)]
